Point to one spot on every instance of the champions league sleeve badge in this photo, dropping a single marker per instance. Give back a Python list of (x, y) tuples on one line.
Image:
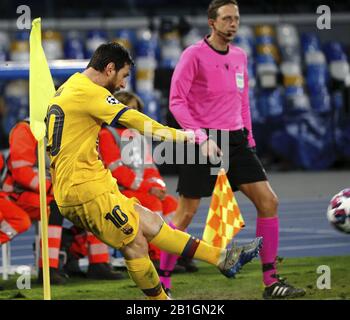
[(112, 100)]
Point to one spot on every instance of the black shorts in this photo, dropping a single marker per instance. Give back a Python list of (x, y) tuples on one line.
[(196, 180)]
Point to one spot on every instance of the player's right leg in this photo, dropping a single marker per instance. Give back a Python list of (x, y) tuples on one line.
[(112, 218), (177, 242), (153, 229), (128, 226), (141, 269)]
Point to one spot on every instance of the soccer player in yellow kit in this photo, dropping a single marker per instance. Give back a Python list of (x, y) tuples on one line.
[(88, 195)]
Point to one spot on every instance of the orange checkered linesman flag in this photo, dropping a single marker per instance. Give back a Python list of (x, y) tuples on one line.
[(224, 219)]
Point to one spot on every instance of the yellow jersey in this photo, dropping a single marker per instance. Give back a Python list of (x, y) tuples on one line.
[(75, 116)]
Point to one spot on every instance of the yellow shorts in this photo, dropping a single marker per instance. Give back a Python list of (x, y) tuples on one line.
[(111, 217)]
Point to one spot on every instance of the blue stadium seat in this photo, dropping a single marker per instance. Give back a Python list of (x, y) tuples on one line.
[(287, 35), (320, 100), (316, 76), (296, 101), (126, 37), (151, 105), (146, 44), (245, 40), (20, 46), (146, 49), (270, 104), (310, 42), (334, 51), (22, 35), (342, 139), (17, 102), (191, 37), (307, 141), (94, 39), (52, 43), (4, 46), (264, 39), (74, 46), (266, 71)]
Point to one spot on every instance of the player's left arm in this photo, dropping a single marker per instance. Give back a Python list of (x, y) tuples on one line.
[(247, 121), (150, 127), (109, 110)]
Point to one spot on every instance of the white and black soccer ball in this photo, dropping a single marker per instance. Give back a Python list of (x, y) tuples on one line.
[(338, 212)]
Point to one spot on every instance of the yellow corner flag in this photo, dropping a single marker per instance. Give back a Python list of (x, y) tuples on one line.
[(41, 87), (224, 219), (41, 90)]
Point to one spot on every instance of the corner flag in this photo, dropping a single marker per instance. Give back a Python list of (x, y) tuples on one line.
[(224, 219), (41, 87), (41, 90)]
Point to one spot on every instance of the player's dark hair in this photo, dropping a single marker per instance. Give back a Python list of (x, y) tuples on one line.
[(216, 4), (110, 52)]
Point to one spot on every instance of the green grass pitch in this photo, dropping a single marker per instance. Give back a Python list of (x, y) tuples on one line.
[(206, 284)]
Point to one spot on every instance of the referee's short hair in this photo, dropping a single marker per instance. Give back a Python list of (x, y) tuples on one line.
[(216, 4), (110, 52)]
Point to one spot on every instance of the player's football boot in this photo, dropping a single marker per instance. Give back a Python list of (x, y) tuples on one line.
[(238, 256), (282, 290)]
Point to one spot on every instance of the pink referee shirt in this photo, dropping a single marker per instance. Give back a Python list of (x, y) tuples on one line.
[(209, 89)]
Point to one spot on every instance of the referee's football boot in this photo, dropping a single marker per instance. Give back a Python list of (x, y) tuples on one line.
[(282, 290), (238, 256)]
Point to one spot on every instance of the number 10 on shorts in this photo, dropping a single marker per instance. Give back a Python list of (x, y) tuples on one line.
[(118, 217)]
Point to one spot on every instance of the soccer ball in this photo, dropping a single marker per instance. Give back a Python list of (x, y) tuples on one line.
[(338, 212)]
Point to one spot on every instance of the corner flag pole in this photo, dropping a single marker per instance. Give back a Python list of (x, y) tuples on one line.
[(41, 90), (44, 220)]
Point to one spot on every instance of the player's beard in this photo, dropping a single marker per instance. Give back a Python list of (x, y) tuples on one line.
[(112, 88)]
